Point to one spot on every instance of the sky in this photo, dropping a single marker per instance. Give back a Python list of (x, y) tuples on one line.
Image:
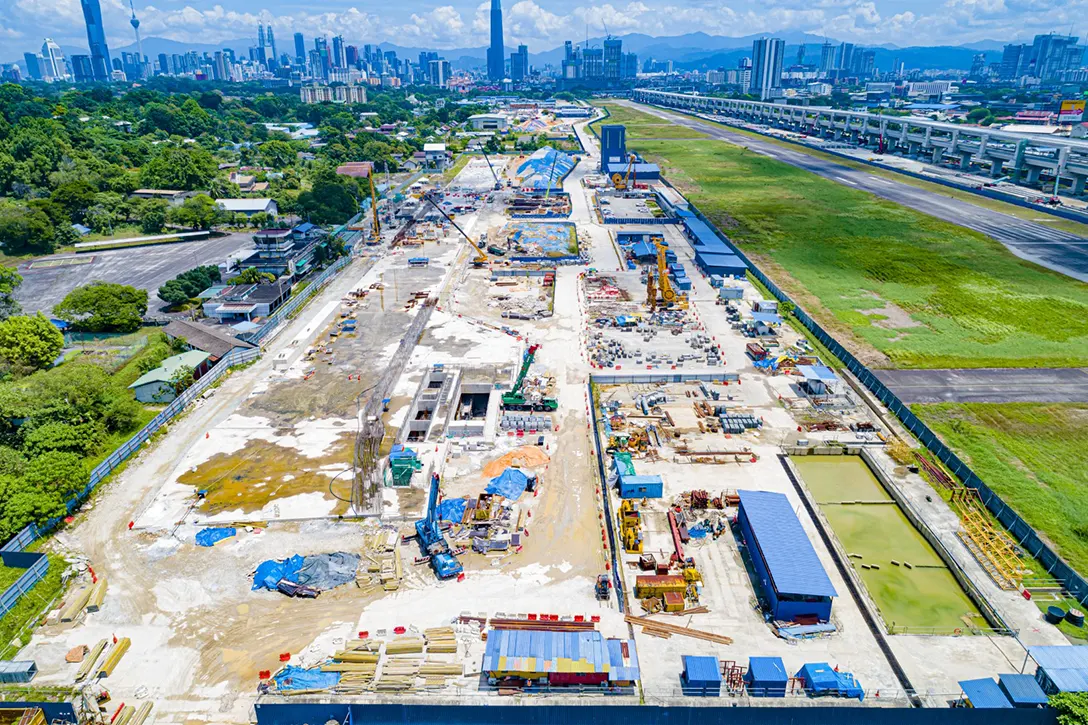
[(541, 24)]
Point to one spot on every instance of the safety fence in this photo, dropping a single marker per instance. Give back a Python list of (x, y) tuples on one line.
[(36, 565), (1020, 530)]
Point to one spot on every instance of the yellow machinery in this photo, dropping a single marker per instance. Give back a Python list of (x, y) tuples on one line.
[(376, 231), (669, 296), (627, 181), (651, 291), (631, 527), (480, 260)]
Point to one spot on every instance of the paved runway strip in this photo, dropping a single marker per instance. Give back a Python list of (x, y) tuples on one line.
[(992, 385)]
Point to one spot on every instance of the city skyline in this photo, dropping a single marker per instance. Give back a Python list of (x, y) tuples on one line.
[(541, 27)]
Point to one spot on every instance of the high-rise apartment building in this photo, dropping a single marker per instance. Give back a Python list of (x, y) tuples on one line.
[(82, 69), (767, 54), (339, 58), (519, 64), (96, 40), (613, 58), (33, 63), (164, 64), (496, 54), (844, 57), (1052, 53)]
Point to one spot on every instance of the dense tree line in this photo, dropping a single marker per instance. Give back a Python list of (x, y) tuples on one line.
[(73, 155)]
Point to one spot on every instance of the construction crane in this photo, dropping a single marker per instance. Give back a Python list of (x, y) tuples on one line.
[(651, 290), (669, 296), (551, 172), (498, 184), (481, 259), (432, 542), (516, 399), (627, 181), (376, 230)]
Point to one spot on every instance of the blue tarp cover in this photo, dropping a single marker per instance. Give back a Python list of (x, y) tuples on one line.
[(509, 484), (452, 509), (819, 678), (209, 536), (322, 571), (296, 678)]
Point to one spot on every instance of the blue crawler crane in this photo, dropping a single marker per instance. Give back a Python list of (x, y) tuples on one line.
[(431, 540)]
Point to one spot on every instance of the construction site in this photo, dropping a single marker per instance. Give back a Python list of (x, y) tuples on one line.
[(528, 461)]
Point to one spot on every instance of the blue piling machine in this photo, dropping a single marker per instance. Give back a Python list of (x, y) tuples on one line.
[(431, 540)]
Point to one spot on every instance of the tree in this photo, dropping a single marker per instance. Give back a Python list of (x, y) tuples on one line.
[(103, 307), (30, 342), (332, 199), (75, 197), (189, 284), (81, 438), (251, 275), (179, 167), (25, 230), (152, 216), (182, 378), (197, 212), (277, 154), (1072, 707), (9, 282)]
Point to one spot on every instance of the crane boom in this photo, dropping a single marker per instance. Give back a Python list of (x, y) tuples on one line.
[(526, 362), (498, 184), (668, 294), (555, 157), (481, 258), (376, 232)]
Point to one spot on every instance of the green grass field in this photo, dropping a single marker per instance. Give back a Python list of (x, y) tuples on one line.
[(901, 288), (1033, 455)]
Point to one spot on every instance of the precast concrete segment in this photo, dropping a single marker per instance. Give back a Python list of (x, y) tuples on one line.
[(1051, 248), (989, 385)]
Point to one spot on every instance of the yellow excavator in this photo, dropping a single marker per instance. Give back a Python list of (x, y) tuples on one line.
[(627, 181)]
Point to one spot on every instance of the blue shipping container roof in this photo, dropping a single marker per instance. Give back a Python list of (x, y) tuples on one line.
[(541, 651), (817, 372), (701, 669), (791, 561), (1060, 657), (767, 669), (1022, 689), (984, 693)]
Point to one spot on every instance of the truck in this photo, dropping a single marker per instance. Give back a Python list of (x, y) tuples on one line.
[(516, 398)]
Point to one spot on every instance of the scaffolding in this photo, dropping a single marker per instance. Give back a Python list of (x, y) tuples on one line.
[(994, 549)]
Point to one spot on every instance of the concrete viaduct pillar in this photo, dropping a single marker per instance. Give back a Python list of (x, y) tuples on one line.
[(996, 167), (1033, 175), (1078, 184)]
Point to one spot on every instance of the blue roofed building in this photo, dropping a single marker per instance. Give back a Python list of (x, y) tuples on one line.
[(1022, 691), (545, 168), (984, 694), (790, 578), (1061, 668), (702, 677), (560, 658), (766, 677)]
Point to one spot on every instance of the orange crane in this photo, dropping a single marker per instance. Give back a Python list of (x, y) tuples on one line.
[(627, 181), (480, 259)]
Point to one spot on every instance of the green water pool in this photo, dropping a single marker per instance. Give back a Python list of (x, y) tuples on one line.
[(924, 597)]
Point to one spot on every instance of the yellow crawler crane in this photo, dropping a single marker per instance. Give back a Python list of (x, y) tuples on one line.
[(669, 296)]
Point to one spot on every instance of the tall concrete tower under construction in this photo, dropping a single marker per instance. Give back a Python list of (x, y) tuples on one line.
[(496, 54)]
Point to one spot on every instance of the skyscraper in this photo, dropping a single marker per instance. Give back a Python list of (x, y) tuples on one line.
[(1053, 53), (54, 60), (613, 55), (496, 54), (271, 43), (339, 56), (766, 66), (519, 64), (300, 49), (82, 68), (827, 58), (1014, 61), (34, 63), (96, 39), (135, 22)]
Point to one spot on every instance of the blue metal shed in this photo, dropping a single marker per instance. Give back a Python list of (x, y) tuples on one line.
[(701, 677), (727, 265), (1061, 668), (984, 693), (766, 677), (790, 575), (18, 672), (640, 486), (1022, 690)]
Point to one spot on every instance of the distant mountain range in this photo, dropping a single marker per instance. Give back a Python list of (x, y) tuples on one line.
[(691, 51)]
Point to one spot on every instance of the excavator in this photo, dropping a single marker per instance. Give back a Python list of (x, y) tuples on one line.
[(376, 230), (480, 260), (516, 398), (669, 296), (432, 542), (627, 181)]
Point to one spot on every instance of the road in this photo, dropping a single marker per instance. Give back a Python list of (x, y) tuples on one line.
[(989, 385), (142, 267), (1051, 248)]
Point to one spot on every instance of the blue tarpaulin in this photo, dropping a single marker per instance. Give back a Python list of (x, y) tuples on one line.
[(452, 509), (270, 572), (322, 571), (209, 536), (820, 679), (296, 678), (510, 484)]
